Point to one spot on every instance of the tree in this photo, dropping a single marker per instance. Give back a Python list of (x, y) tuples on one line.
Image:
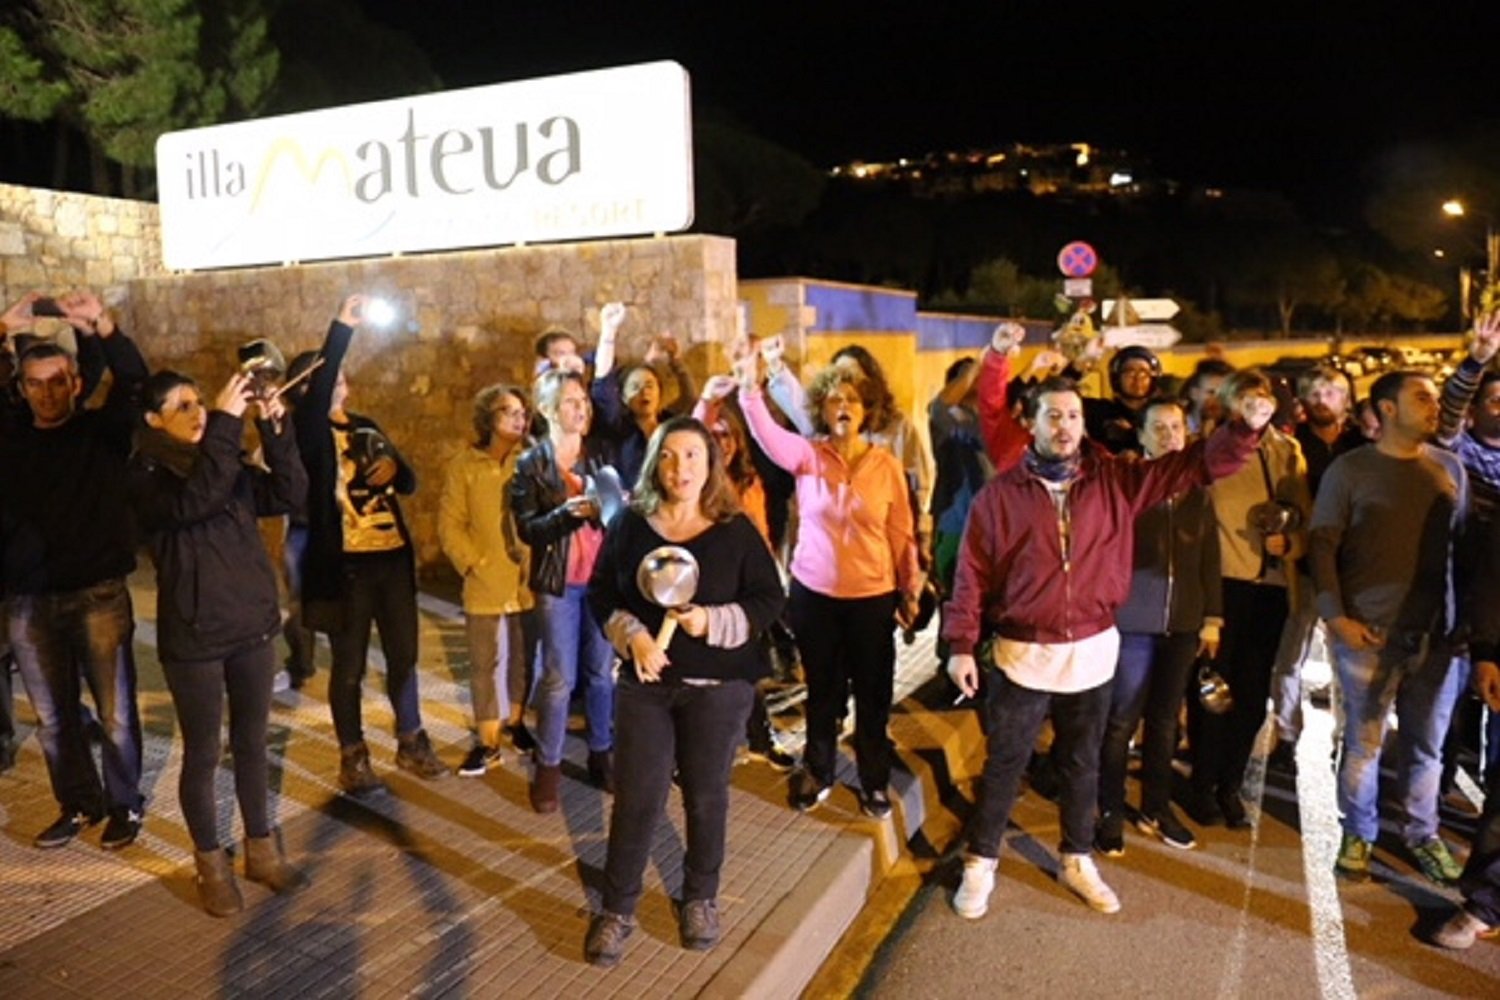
[(122, 72), (1000, 286), (1284, 268), (1376, 299), (747, 184)]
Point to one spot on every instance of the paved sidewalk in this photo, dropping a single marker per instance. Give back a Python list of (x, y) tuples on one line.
[(447, 888)]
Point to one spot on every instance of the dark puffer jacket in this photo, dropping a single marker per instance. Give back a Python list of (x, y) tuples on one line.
[(216, 590)]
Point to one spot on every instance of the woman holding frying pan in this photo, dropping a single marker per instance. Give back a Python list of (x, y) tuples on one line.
[(689, 673)]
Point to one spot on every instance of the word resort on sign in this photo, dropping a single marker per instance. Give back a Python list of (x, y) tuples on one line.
[(599, 154)]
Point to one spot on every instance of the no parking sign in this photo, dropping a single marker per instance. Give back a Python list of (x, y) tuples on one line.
[(1077, 260)]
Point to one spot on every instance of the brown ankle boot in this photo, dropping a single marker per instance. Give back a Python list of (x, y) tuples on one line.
[(546, 788), (356, 777), (216, 889), (264, 863)]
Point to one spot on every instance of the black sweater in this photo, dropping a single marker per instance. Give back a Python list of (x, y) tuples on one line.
[(216, 590), (65, 521), (734, 566)]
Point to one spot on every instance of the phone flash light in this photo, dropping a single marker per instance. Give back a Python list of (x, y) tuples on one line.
[(379, 312)]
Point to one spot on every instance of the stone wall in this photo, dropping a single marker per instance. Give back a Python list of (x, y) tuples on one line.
[(465, 320), (55, 241)]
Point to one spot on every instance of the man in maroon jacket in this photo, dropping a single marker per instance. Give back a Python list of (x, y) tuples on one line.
[(1045, 561)]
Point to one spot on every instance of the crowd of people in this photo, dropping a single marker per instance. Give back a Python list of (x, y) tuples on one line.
[(628, 541)]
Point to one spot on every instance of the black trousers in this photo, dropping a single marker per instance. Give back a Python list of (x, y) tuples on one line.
[(660, 728), (198, 689), (846, 643), (1014, 716), (1254, 615)]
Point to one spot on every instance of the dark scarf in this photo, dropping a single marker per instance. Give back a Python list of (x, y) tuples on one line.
[(1053, 470), (158, 448)]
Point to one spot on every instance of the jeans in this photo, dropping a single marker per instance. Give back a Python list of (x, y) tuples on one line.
[(572, 644), (1254, 616), (1149, 682), (1423, 682), (198, 690), (300, 641), (1013, 717), (61, 642), (658, 728), (1286, 674), (501, 663), (378, 590), (846, 643)]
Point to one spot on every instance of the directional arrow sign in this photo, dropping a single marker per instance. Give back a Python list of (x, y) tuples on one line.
[(1149, 310), (1153, 335)]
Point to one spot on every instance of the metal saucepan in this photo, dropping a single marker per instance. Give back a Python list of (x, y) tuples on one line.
[(668, 576)]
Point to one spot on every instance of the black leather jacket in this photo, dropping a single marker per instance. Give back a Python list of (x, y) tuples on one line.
[(537, 497)]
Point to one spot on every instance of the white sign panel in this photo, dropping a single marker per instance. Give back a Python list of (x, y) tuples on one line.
[(598, 154), (1146, 310), (1153, 335), (1078, 288)]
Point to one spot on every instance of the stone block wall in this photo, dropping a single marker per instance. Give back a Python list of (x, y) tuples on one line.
[(56, 241), (464, 320)]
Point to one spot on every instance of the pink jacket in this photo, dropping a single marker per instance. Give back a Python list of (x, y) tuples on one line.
[(855, 536)]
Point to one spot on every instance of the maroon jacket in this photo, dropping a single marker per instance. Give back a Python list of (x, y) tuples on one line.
[(1012, 578)]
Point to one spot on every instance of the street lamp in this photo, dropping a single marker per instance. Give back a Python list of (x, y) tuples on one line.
[(1453, 208)]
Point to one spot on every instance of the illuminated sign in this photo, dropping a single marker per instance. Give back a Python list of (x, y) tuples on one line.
[(588, 155)]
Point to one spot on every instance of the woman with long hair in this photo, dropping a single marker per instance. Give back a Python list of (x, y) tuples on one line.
[(679, 707), (217, 612)]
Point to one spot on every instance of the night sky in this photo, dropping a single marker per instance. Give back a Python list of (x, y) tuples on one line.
[(1300, 99)]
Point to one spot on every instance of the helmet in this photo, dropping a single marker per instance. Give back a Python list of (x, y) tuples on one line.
[(1132, 353)]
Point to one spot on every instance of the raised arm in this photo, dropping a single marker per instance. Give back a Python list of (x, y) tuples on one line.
[(1004, 438), (1459, 390), (792, 452)]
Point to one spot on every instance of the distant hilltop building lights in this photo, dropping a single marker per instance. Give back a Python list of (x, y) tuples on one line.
[(1059, 169)]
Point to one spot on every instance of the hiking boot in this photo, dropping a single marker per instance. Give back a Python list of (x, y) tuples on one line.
[(1166, 827), (356, 777), (414, 753), (479, 760), (1353, 862), (808, 792), (698, 924), (217, 893), (1079, 874), (875, 803), (1109, 835), (602, 769), (546, 788), (1436, 861), (1461, 931), (264, 863), (605, 944), (65, 828), (123, 827), (972, 900)]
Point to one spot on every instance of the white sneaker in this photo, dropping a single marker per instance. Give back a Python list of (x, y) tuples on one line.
[(1079, 875), (972, 900)]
